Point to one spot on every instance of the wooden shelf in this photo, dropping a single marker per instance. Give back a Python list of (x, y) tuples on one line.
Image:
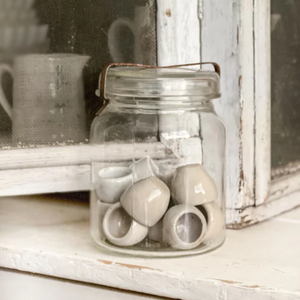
[(50, 236)]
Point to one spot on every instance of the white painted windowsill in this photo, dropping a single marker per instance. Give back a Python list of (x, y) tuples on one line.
[(51, 237)]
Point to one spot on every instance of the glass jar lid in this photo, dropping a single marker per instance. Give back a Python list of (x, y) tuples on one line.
[(144, 82)]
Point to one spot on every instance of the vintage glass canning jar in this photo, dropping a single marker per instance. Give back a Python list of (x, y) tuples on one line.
[(157, 162)]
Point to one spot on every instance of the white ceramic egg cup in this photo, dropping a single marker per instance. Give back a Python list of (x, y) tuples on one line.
[(112, 182), (192, 185), (143, 208), (184, 227), (215, 220), (146, 201), (120, 229)]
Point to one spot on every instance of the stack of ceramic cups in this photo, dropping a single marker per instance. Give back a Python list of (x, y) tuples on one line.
[(19, 29), (136, 205)]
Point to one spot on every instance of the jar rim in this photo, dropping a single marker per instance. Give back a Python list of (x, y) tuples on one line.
[(159, 83)]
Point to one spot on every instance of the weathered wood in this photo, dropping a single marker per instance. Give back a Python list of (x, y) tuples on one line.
[(44, 180), (178, 39), (77, 155), (226, 37), (35, 287), (283, 186), (262, 50), (49, 236), (178, 32), (247, 107), (238, 219)]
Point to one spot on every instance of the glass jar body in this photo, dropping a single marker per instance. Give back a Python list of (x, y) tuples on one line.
[(157, 181)]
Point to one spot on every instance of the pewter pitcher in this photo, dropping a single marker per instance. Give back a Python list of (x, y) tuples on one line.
[(48, 98)]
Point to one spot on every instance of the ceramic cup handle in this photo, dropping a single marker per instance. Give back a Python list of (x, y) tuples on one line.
[(3, 100), (114, 38)]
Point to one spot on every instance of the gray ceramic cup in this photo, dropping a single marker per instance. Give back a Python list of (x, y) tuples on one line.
[(184, 227)]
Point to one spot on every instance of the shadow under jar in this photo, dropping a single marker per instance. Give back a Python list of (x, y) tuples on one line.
[(158, 152)]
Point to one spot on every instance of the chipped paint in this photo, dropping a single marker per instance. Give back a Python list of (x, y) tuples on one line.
[(168, 13), (134, 267), (237, 283)]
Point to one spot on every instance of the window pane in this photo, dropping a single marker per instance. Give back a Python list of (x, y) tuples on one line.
[(285, 83), (105, 30)]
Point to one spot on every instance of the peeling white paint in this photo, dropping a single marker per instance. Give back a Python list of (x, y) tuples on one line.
[(52, 238)]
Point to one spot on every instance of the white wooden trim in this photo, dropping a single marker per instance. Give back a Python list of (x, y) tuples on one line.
[(75, 155), (267, 190), (178, 42), (44, 157), (283, 186), (62, 169), (44, 180), (288, 169), (238, 219), (178, 32), (227, 38), (262, 42), (247, 108), (51, 170)]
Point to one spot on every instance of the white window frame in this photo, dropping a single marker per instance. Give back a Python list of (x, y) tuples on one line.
[(234, 33)]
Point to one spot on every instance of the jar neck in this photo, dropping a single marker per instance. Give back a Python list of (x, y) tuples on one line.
[(165, 105)]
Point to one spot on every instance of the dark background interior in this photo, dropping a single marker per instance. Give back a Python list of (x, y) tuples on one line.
[(81, 27), (285, 109)]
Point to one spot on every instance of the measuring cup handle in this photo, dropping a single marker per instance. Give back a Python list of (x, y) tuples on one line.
[(3, 100), (114, 37)]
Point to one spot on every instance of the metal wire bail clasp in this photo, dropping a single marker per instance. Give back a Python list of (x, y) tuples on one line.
[(101, 91)]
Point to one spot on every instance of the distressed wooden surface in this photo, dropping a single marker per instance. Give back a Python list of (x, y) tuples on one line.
[(76, 155), (178, 32), (284, 185), (36, 287), (45, 180), (178, 42), (225, 38), (239, 219), (67, 169), (247, 108), (262, 50), (51, 237)]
